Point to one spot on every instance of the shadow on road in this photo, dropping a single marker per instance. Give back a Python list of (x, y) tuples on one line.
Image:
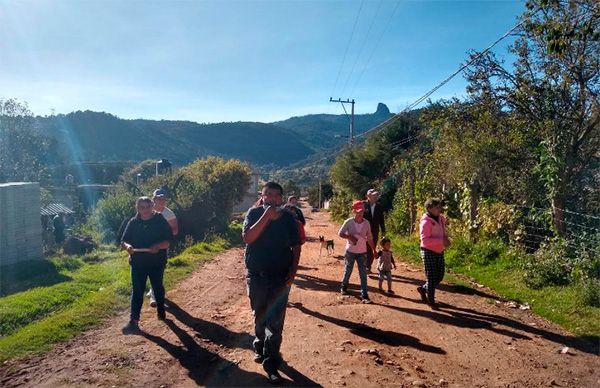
[(371, 333)]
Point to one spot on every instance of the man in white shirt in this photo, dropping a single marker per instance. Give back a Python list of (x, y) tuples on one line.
[(159, 196)]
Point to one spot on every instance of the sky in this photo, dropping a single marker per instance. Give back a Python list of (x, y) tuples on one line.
[(214, 61)]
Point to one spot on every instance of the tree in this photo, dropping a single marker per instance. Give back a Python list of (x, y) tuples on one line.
[(23, 150), (553, 90)]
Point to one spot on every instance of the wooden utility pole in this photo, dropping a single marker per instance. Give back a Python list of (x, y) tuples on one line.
[(351, 117)]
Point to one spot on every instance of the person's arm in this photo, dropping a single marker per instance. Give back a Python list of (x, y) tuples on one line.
[(381, 220), (343, 233), (165, 236), (296, 250), (126, 239), (253, 232), (393, 262), (174, 226), (300, 216), (370, 239)]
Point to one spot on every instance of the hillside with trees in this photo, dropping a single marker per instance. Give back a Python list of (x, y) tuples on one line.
[(516, 163)]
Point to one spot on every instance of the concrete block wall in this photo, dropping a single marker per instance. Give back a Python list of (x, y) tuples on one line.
[(20, 225)]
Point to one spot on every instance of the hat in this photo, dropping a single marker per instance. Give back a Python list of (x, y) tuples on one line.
[(160, 193), (372, 192), (358, 206)]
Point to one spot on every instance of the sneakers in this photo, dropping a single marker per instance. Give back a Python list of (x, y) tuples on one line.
[(391, 292), (367, 301), (274, 377), (160, 314), (423, 294), (152, 299), (344, 291), (258, 358), (132, 327)]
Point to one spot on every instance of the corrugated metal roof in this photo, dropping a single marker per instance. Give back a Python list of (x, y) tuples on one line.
[(55, 208)]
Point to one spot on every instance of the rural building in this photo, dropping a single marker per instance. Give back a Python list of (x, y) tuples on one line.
[(20, 229)]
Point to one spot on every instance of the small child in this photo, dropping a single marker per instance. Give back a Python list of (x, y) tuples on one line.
[(386, 263)]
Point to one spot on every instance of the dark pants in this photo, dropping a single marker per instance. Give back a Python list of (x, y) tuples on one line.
[(434, 271), (371, 253), (268, 300), (139, 274)]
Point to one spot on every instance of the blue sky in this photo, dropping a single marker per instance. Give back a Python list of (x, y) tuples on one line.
[(212, 61)]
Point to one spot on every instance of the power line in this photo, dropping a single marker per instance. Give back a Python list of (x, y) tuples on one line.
[(444, 82), (375, 46), (347, 48), (423, 97), (362, 46)]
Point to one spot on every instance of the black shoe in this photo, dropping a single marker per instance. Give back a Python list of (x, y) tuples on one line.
[(433, 305), (274, 377), (423, 294), (132, 327), (160, 314), (344, 292), (258, 358)]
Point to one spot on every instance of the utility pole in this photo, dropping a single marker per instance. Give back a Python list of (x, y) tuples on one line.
[(351, 117), (320, 193)]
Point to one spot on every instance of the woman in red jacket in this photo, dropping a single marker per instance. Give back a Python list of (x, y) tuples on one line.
[(434, 240)]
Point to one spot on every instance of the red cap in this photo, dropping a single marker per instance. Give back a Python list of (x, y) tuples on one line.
[(358, 206)]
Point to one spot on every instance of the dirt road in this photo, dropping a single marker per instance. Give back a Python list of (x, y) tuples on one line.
[(329, 340)]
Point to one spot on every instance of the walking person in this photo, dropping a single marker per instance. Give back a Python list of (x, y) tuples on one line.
[(374, 214), (146, 238), (385, 264), (293, 201), (357, 231), (59, 228), (434, 240), (272, 255), (159, 196)]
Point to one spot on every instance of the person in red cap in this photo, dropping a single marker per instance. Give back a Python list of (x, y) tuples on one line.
[(357, 232)]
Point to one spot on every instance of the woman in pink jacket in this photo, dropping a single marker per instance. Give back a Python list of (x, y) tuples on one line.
[(434, 240)]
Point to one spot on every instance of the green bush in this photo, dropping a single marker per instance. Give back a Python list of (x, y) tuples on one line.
[(549, 266), (590, 292), (464, 252)]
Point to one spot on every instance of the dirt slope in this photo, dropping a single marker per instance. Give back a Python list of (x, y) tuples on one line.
[(329, 340)]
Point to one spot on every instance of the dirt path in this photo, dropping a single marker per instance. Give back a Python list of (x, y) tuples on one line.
[(329, 340)]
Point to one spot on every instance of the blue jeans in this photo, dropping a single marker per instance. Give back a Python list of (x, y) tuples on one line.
[(360, 259), (139, 275), (268, 300)]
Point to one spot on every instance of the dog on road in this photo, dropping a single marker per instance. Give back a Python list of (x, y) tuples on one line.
[(327, 244)]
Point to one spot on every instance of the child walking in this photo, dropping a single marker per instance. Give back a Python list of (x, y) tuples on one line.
[(386, 263), (434, 240), (357, 232)]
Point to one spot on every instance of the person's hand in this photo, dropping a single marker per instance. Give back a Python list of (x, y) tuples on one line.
[(129, 249), (153, 249), (290, 279), (271, 213), (353, 240)]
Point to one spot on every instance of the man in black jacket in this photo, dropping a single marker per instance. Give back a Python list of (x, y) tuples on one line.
[(146, 238), (373, 214)]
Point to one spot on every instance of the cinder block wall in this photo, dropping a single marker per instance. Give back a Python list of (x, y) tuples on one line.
[(20, 225)]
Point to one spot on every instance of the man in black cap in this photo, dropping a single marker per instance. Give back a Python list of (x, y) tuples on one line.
[(159, 196), (272, 255)]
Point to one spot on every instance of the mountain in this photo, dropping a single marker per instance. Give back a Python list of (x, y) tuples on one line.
[(99, 136), (324, 131), (95, 136)]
